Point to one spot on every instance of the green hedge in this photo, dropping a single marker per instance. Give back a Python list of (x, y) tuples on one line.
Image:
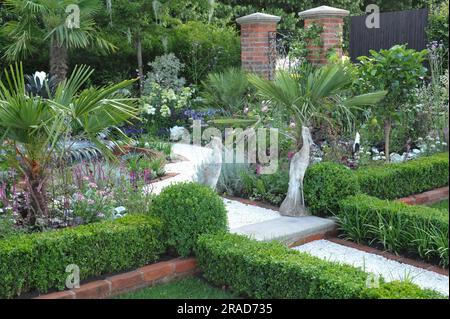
[(398, 227), (392, 181), (265, 270), (326, 184), (38, 261), (187, 211)]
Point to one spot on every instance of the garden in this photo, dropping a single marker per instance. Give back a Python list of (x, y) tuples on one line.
[(220, 149)]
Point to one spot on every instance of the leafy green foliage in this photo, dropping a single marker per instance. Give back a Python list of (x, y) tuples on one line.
[(398, 227), (230, 180), (39, 126), (326, 184), (265, 270), (226, 90), (438, 23), (38, 261), (204, 48), (401, 290), (270, 188), (392, 181), (397, 70), (187, 211)]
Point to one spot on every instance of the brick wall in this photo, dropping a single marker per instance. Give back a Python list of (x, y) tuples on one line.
[(256, 30)]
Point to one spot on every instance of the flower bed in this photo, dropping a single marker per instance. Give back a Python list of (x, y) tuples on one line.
[(396, 226), (38, 261), (265, 270), (326, 183)]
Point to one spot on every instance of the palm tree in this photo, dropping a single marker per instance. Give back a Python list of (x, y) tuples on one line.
[(310, 97), (39, 129), (50, 21)]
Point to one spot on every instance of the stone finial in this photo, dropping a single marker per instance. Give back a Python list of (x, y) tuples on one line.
[(322, 12), (258, 18)]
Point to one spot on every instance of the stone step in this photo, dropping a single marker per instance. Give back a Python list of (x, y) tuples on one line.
[(289, 230)]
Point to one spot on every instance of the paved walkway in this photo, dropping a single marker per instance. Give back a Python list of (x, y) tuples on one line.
[(253, 221)]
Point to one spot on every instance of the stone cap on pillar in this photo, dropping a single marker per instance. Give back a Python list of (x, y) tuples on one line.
[(322, 12), (258, 18)]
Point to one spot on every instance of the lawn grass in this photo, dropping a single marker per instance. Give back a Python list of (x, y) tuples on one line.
[(442, 205), (187, 288)]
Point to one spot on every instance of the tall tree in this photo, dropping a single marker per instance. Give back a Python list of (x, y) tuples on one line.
[(63, 24), (144, 15)]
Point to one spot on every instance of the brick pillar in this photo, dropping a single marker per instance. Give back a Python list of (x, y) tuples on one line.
[(256, 32), (332, 20)]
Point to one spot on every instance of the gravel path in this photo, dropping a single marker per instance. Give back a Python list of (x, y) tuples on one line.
[(389, 269), (238, 214)]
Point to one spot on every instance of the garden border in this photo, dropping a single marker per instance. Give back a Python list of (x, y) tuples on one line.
[(146, 276), (428, 198)]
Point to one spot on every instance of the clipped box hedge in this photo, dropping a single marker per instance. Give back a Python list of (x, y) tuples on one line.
[(393, 181), (396, 226), (271, 270), (38, 261)]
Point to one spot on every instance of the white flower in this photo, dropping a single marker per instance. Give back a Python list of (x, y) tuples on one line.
[(41, 76)]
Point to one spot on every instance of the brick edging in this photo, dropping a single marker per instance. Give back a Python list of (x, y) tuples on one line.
[(252, 202), (391, 256), (427, 198), (139, 278)]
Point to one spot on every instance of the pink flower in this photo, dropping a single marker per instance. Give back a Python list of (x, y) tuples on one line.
[(258, 169), (79, 197), (291, 155), (92, 185)]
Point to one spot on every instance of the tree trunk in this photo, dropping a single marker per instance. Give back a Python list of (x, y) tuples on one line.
[(140, 63), (294, 203), (58, 61), (387, 139), (36, 187)]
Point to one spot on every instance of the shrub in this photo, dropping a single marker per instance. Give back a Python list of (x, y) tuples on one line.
[(189, 210), (264, 270), (38, 261), (437, 29), (270, 188), (393, 181), (326, 184), (396, 226), (400, 290), (226, 90), (230, 180), (205, 48)]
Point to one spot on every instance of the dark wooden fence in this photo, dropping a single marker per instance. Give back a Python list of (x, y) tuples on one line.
[(402, 27)]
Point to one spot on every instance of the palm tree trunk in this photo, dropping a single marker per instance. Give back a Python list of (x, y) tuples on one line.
[(140, 63), (36, 186), (58, 61), (387, 138), (294, 203)]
